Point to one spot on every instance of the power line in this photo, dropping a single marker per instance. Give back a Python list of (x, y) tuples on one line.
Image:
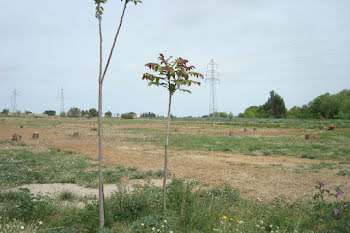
[(212, 76)]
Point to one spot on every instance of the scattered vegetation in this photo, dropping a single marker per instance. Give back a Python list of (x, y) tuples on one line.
[(325, 106)]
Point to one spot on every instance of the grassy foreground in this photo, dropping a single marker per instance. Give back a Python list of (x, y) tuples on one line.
[(190, 209)]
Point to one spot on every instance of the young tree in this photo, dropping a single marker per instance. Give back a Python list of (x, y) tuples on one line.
[(101, 77), (173, 75)]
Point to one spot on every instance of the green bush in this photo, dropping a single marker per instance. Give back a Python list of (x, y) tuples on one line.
[(127, 116), (24, 206)]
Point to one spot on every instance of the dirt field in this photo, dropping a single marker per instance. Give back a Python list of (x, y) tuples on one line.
[(263, 177)]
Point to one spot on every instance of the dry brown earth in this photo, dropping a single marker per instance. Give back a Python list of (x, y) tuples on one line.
[(263, 177)]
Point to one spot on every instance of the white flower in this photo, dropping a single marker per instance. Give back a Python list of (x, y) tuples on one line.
[(270, 226), (162, 226), (240, 222), (153, 229), (263, 228), (158, 230), (171, 232), (261, 222), (142, 224), (40, 222), (257, 225), (22, 227), (165, 221)]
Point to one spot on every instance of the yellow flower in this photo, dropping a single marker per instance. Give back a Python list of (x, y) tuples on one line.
[(224, 217), (214, 229), (141, 189), (231, 219)]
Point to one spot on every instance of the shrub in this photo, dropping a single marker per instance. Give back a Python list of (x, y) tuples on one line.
[(127, 115), (108, 114), (74, 112), (5, 111), (50, 112)]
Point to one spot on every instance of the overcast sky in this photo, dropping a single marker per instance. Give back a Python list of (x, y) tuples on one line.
[(298, 48)]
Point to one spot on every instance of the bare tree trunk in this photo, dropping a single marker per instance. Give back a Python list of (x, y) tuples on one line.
[(100, 151), (166, 156)]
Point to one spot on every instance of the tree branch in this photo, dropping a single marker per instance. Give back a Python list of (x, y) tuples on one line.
[(114, 42)]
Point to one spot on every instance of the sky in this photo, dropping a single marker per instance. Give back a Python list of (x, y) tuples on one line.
[(300, 49)]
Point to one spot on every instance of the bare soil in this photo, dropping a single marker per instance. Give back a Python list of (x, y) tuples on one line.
[(258, 177)]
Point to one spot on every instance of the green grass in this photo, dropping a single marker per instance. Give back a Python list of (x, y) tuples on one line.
[(19, 167), (189, 208), (330, 145)]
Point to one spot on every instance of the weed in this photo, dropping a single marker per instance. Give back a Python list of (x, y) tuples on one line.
[(66, 196), (344, 173)]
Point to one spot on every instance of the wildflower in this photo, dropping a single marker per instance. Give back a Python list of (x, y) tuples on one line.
[(231, 219), (165, 221), (141, 188), (240, 222), (224, 217), (40, 222), (261, 222), (336, 211), (162, 226), (324, 186), (171, 232), (257, 226), (340, 194), (214, 229), (142, 224), (22, 227), (270, 226), (263, 228), (153, 229)]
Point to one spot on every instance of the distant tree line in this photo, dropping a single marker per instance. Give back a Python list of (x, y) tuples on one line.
[(325, 106)]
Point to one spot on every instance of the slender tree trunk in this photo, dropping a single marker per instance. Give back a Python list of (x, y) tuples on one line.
[(100, 148), (166, 155), (115, 41), (101, 77)]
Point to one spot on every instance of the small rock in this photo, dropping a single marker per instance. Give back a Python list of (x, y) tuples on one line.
[(230, 133), (245, 130), (21, 126), (307, 137)]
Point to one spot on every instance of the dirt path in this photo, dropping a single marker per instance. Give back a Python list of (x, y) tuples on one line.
[(264, 177)]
